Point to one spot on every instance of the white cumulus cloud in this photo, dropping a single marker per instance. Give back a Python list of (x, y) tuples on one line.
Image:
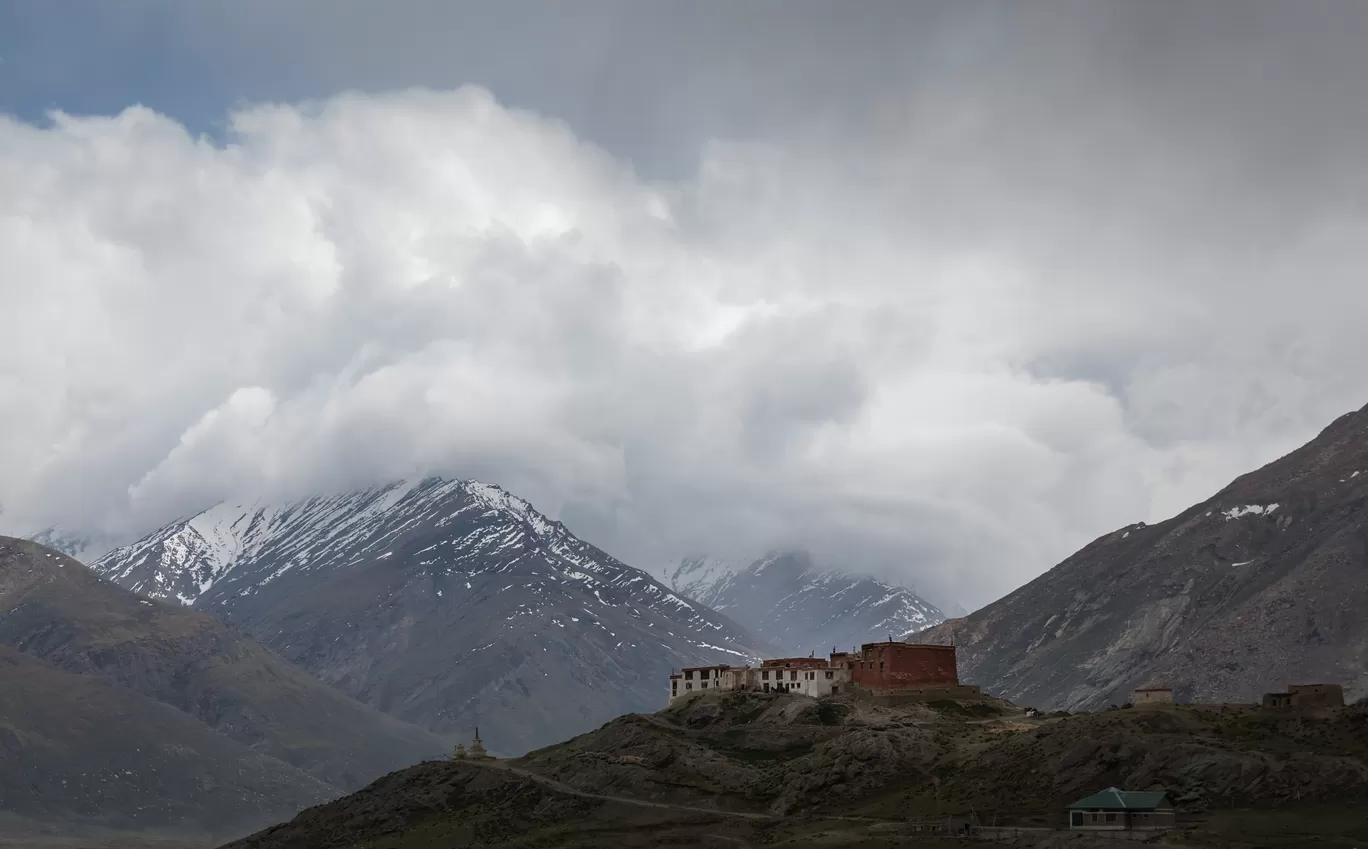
[(917, 355)]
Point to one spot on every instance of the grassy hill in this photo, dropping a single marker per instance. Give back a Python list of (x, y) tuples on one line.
[(751, 769)]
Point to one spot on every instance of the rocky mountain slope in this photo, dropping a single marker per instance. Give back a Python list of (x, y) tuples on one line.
[(727, 769), (119, 710), (790, 601), (1261, 585), (448, 603), (76, 751)]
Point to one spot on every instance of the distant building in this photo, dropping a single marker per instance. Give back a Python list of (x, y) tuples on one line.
[(910, 671), (1122, 810), (1153, 694), (1303, 696)]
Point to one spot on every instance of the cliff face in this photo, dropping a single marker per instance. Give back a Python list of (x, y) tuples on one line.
[(1262, 585)]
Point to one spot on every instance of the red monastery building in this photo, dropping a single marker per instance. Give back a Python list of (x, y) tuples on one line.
[(907, 671)]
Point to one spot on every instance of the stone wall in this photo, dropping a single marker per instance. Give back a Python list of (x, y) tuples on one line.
[(917, 695)]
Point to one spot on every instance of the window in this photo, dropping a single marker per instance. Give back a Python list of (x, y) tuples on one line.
[(881, 664), (688, 686), (828, 675), (765, 674), (1111, 817), (688, 674), (793, 676), (1075, 818), (704, 685), (767, 688)]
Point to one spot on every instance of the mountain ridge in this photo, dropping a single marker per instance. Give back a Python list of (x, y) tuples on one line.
[(448, 603)]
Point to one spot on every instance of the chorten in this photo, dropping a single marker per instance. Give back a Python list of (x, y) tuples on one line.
[(477, 749), (459, 752)]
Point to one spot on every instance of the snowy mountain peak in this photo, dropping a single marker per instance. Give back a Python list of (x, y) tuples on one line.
[(186, 559), (694, 577), (449, 603), (789, 600), (83, 547)]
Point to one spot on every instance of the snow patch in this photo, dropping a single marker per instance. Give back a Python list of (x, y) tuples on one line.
[(1249, 510)]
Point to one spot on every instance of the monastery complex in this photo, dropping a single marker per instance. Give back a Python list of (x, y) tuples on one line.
[(910, 671)]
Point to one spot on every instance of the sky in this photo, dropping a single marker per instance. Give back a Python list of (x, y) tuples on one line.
[(942, 291)]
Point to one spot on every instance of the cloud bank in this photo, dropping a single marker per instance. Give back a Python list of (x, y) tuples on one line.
[(951, 344)]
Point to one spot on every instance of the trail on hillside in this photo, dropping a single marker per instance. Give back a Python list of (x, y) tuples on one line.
[(562, 787)]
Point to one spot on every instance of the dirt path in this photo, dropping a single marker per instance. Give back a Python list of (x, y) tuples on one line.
[(562, 787)]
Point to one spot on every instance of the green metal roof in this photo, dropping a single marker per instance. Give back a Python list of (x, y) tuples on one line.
[(1113, 799)]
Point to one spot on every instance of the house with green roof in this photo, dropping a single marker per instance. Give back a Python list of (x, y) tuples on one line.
[(1122, 810)]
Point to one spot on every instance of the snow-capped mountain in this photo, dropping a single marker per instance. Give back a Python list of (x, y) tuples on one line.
[(447, 603), (86, 548), (695, 577), (791, 602)]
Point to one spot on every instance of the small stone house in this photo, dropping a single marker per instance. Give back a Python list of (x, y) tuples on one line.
[(1152, 694), (1122, 810)]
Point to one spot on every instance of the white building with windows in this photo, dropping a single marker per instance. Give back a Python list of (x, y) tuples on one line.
[(807, 676)]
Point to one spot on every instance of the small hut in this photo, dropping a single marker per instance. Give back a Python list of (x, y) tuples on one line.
[(1152, 694), (1122, 810)]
